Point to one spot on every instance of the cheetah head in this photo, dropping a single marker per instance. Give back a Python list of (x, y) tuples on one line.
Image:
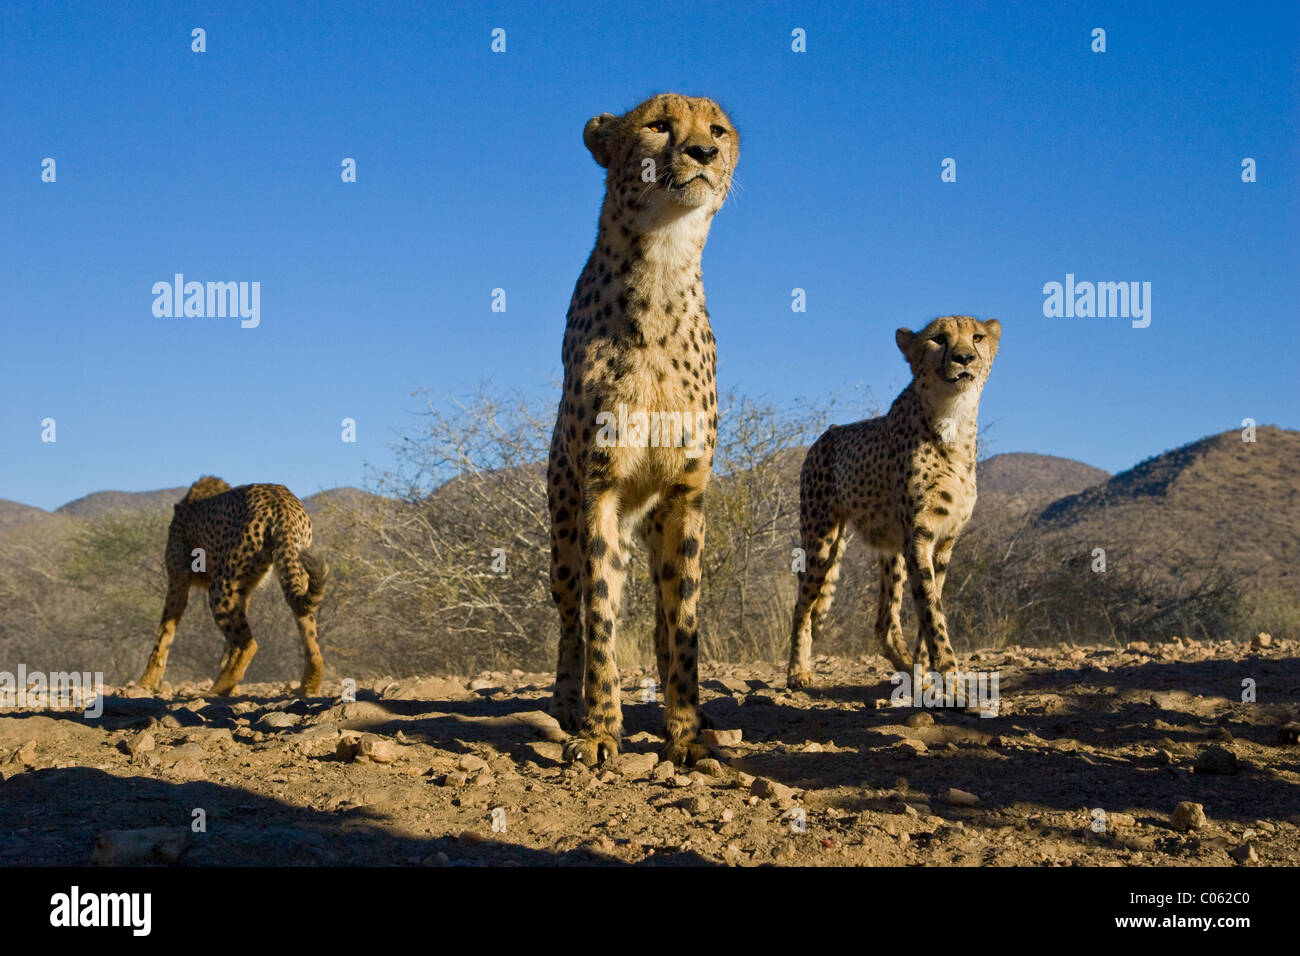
[(953, 353), (205, 487), (671, 151)]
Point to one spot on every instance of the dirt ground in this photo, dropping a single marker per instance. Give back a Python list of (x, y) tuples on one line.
[(1091, 751)]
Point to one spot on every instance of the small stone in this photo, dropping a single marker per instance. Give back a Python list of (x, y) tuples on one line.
[(720, 738), (1188, 816), (548, 750), (728, 815), (140, 847), (457, 778), (635, 764), (278, 720), (1219, 760), (170, 722), (1121, 819), (958, 798), (766, 789), (912, 748), (142, 742), (679, 780), (1245, 854), (1261, 640), (471, 763), (1163, 757), (663, 770), (920, 719), (709, 767), (1289, 733), (377, 749)]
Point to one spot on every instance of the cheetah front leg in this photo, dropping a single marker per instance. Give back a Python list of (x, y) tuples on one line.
[(601, 728), (889, 606), (932, 633), (566, 591), (679, 591)]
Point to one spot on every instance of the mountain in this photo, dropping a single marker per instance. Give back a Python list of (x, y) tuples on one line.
[(1219, 501)]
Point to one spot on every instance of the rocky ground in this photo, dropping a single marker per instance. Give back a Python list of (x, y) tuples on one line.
[(1097, 756)]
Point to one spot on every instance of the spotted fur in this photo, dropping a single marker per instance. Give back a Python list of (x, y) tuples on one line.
[(637, 336), (242, 532), (906, 483)]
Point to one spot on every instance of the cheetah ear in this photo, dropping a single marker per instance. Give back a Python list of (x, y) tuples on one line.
[(993, 327), (904, 338), (597, 136)]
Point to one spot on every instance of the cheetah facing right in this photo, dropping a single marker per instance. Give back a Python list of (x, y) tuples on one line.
[(906, 483)]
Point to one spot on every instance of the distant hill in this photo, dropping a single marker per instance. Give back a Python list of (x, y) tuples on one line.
[(102, 502), (1021, 482), (1217, 500)]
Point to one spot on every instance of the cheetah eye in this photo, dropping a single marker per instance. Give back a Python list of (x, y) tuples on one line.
[(658, 126), (717, 131), (977, 338), (940, 339)]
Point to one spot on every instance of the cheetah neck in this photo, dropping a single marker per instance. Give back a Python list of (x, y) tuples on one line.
[(662, 247), (953, 418)]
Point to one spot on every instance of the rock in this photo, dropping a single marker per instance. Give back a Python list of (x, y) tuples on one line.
[(709, 767), (471, 763), (679, 780), (912, 748), (635, 764), (766, 789), (277, 720), (958, 798), (170, 722), (663, 770), (1245, 854), (376, 748), (1261, 641), (140, 847), (720, 738), (1289, 733), (1218, 760), (920, 719), (1188, 816), (140, 743), (548, 750), (457, 778), (1163, 757), (1124, 820)]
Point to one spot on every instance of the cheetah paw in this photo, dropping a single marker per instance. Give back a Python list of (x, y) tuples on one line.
[(591, 750), (799, 679), (684, 752)]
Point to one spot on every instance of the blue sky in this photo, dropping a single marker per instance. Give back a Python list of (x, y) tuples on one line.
[(224, 166)]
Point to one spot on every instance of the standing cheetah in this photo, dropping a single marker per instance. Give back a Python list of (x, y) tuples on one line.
[(637, 344), (906, 483), (240, 533)]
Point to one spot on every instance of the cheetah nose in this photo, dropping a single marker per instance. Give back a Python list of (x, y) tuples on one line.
[(963, 358), (701, 154)]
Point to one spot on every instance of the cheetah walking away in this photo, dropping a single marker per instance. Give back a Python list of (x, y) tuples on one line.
[(638, 348), (239, 533), (906, 483)]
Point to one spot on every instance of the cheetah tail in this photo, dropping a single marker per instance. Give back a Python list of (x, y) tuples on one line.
[(303, 577)]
